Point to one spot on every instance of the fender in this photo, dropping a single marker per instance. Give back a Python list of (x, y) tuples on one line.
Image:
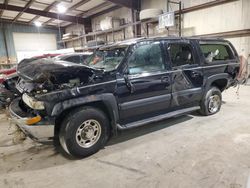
[(215, 77), (108, 100)]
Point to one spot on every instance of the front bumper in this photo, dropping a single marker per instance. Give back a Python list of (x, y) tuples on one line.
[(41, 132)]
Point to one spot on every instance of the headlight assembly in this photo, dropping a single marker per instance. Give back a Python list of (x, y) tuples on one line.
[(33, 103)]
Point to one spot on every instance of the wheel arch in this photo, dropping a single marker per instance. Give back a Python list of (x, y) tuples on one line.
[(220, 81), (104, 102)]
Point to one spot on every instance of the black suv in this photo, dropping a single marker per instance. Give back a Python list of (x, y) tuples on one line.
[(122, 86)]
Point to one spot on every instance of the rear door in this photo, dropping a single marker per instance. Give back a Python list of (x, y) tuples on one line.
[(187, 74), (145, 88)]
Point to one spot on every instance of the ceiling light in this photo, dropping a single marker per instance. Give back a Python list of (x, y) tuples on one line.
[(61, 9), (38, 24)]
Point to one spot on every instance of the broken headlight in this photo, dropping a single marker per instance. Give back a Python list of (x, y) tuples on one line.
[(33, 103)]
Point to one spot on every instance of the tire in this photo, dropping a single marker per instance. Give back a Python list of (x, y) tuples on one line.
[(150, 13), (211, 103), (84, 132)]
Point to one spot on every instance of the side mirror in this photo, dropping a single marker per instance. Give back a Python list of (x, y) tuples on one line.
[(126, 72), (129, 84)]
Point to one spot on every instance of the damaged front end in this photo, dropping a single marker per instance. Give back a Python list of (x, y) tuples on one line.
[(42, 84), (42, 76)]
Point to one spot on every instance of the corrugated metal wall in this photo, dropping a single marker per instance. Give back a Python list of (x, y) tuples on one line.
[(8, 29), (2, 45)]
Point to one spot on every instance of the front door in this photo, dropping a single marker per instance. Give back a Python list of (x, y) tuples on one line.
[(144, 90)]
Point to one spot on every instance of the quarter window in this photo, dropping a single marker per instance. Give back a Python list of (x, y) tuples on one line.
[(216, 52), (146, 58), (180, 54)]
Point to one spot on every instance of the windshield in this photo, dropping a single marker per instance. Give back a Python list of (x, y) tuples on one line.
[(106, 59)]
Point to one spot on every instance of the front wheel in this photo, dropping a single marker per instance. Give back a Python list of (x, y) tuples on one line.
[(84, 132), (211, 102)]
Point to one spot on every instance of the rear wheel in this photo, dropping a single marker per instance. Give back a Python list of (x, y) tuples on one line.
[(84, 132), (211, 102)]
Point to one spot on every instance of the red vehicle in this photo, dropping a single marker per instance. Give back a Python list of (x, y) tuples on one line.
[(6, 72)]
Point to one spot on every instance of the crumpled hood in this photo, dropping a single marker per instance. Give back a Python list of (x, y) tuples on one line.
[(45, 75), (43, 69)]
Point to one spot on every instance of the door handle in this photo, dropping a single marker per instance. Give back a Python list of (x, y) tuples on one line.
[(165, 79)]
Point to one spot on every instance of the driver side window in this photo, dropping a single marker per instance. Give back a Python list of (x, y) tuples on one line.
[(146, 58)]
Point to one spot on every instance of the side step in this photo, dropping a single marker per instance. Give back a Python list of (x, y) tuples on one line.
[(157, 118)]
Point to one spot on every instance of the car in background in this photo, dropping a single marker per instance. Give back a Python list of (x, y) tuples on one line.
[(78, 58), (5, 72)]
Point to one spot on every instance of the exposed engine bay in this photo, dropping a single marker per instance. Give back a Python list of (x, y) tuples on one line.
[(44, 75)]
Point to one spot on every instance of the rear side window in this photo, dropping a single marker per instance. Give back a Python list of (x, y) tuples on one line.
[(216, 52), (180, 54)]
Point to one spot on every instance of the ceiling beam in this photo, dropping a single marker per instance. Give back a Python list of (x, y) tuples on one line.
[(101, 13), (128, 3), (20, 13), (47, 9), (49, 21), (204, 6), (106, 11), (5, 3), (71, 8), (3, 20), (78, 4), (47, 14), (96, 8)]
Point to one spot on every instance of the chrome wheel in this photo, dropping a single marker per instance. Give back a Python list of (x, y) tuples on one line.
[(88, 133), (214, 103)]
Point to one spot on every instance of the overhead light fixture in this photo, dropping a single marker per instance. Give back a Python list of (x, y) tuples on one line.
[(38, 24), (61, 9)]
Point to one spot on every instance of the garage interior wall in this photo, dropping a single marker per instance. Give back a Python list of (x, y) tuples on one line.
[(217, 19), (7, 30), (3, 55), (78, 29), (32, 44), (121, 13), (227, 17)]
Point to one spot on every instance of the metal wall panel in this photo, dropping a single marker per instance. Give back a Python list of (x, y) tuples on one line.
[(19, 28)]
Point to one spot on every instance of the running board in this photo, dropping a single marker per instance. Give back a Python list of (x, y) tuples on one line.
[(157, 118)]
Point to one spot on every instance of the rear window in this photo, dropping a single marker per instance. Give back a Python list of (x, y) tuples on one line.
[(216, 52)]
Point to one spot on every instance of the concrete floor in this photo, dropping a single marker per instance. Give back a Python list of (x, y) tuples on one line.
[(186, 152)]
